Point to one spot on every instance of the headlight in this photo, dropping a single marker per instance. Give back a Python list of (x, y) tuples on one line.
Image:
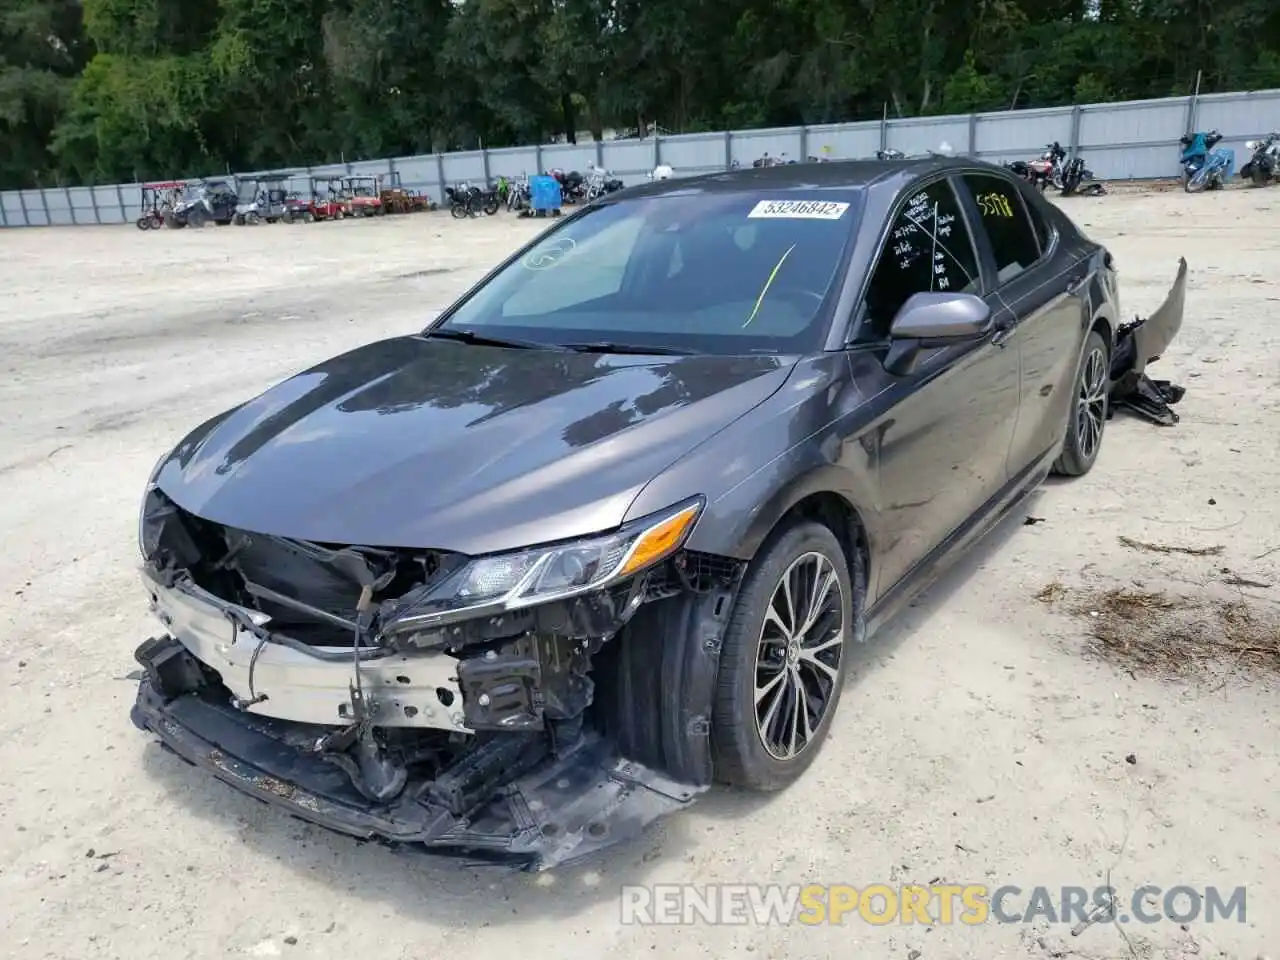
[(511, 581)]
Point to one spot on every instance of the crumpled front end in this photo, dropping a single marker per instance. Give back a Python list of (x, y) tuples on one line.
[(367, 691)]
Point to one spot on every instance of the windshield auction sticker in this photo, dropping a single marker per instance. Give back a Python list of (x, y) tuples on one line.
[(798, 210)]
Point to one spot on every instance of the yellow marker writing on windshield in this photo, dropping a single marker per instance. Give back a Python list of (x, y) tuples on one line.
[(768, 283)]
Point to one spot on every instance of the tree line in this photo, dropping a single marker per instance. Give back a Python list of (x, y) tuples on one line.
[(99, 91)]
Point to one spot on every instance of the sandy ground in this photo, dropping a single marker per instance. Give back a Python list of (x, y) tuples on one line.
[(979, 743)]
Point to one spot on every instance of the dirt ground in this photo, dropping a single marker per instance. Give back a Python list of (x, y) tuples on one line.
[(988, 737)]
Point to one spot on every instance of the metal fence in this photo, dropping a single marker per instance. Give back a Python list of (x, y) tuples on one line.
[(1134, 140)]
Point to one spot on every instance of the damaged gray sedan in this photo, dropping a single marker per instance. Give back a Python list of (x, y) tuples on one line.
[(516, 585)]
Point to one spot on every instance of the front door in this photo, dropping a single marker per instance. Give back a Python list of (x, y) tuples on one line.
[(943, 435)]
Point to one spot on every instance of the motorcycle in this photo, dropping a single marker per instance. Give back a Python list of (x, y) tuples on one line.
[(1264, 164), (519, 196), (1044, 171), (890, 154), (768, 161), (466, 200), (1203, 167), (573, 185), (599, 183), (1077, 180)]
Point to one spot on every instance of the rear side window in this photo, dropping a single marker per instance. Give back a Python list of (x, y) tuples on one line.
[(1003, 217), (1040, 223)]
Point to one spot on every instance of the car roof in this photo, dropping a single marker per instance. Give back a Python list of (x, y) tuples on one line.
[(841, 175)]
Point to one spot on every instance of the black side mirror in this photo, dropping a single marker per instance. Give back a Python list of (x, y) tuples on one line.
[(933, 320)]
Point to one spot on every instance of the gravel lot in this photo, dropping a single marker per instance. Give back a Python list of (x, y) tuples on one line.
[(981, 742)]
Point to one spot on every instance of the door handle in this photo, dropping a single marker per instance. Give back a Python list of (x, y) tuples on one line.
[(1078, 286), (1003, 332)]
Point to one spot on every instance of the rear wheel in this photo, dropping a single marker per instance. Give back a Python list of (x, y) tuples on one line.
[(1088, 416), (782, 663)]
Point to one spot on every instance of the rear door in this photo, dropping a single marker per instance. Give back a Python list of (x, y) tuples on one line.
[(1043, 289), (942, 440)]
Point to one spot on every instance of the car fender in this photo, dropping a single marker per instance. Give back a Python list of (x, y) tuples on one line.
[(790, 447)]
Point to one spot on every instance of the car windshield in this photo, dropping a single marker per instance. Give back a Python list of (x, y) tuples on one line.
[(719, 273)]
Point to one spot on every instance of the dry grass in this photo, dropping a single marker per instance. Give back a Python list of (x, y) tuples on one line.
[(1166, 548), (1170, 635)]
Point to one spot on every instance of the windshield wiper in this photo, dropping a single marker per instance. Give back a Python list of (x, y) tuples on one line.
[(480, 339), (608, 346)]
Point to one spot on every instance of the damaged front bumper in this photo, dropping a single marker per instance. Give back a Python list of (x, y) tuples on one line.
[(482, 753), (417, 691), (560, 809), (1142, 342)]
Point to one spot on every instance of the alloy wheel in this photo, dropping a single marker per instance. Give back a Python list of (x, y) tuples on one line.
[(798, 655), (1091, 407)]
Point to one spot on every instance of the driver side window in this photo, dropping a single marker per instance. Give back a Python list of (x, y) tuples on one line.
[(928, 250)]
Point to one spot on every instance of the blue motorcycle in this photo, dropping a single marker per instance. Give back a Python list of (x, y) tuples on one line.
[(1204, 168)]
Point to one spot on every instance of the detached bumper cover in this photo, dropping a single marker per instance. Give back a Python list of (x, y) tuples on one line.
[(564, 810), (1141, 343)]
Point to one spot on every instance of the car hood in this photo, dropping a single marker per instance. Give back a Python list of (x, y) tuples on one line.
[(415, 442)]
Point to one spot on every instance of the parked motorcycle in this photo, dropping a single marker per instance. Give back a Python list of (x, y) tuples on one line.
[(599, 183), (1077, 180), (573, 185), (890, 154), (1263, 165), (768, 161), (1203, 167), (1043, 172), (466, 200), (519, 196)]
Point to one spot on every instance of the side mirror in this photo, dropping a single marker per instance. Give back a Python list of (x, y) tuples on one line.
[(934, 320)]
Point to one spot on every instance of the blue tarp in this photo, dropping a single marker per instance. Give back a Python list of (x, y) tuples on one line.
[(544, 193)]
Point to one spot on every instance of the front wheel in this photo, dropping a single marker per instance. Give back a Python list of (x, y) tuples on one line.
[(1088, 415), (782, 663), (457, 210)]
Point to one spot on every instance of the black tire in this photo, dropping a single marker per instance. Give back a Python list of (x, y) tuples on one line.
[(457, 210), (1087, 418), (491, 206), (741, 756)]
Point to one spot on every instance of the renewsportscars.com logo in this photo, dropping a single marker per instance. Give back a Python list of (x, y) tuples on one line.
[(880, 904)]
